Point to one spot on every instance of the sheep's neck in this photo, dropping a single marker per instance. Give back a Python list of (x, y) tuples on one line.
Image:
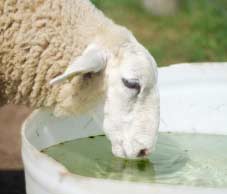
[(37, 44)]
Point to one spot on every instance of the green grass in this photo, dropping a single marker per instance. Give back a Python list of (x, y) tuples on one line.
[(198, 32)]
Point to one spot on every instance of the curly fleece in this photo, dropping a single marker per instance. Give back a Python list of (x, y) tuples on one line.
[(38, 40)]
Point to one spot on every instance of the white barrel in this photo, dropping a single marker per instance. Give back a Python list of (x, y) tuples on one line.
[(193, 100)]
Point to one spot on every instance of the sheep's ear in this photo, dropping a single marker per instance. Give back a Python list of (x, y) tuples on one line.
[(92, 60)]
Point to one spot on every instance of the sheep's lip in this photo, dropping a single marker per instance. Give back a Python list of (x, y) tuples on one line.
[(143, 153)]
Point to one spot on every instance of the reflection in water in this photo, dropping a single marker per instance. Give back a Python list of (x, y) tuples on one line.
[(118, 168), (178, 159)]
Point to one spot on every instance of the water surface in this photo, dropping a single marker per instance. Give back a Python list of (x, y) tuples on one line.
[(186, 159)]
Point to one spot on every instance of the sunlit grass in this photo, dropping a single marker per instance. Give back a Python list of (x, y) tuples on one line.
[(198, 32)]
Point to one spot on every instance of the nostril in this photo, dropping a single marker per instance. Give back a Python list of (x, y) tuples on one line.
[(142, 153)]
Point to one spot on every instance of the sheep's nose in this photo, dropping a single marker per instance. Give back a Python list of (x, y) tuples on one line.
[(143, 153)]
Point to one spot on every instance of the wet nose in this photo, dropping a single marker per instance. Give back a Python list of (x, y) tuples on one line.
[(143, 153)]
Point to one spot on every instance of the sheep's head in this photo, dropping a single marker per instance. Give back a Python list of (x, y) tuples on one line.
[(131, 108), (132, 102)]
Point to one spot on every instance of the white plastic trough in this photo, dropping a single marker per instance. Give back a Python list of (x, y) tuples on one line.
[(193, 99)]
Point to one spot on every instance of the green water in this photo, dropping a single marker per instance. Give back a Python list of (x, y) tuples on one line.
[(186, 159)]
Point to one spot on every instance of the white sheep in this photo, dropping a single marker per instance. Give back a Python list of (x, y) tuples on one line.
[(67, 56)]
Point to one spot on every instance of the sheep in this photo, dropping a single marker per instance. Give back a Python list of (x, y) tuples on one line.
[(67, 56)]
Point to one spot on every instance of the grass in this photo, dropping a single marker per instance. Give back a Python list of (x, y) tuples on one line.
[(198, 32)]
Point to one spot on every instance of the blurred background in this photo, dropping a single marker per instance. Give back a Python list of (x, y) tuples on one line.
[(174, 31)]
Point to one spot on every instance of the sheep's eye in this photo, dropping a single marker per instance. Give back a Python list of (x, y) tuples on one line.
[(132, 84)]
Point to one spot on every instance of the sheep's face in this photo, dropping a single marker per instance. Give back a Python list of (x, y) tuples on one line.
[(131, 110), (131, 113)]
